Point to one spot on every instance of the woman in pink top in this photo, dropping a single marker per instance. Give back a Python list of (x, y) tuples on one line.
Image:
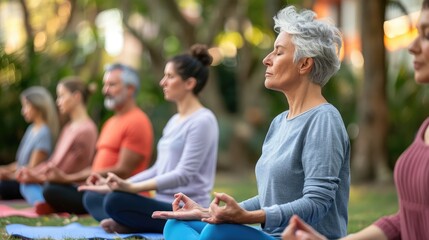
[(411, 173), (75, 147)]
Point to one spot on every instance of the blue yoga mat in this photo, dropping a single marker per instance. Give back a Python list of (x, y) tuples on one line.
[(72, 231)]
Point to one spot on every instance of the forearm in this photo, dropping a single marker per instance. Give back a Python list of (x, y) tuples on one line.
[(252, 217), (9, 168), (146, 185), (79, 176), (371, 232)]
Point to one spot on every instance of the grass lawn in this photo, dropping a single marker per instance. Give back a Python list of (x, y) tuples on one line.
[(367, 203)]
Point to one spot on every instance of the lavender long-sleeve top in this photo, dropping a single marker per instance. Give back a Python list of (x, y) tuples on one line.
[(186, 158)]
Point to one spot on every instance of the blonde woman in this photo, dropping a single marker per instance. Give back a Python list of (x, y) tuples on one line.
[(74, 150), (38, 109)]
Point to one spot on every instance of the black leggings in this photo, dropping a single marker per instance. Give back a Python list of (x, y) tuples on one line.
[(64, 198), (9, 189), (128, 209)]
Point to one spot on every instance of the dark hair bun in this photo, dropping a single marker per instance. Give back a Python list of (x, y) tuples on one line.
[(200, 52)]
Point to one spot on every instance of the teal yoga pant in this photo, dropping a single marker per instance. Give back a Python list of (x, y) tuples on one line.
[(193, 230)]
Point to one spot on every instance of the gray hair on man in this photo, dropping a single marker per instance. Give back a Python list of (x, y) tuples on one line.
[(312, 38), (128, 75)]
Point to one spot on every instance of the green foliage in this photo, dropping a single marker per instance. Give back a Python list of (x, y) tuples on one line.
[(66, 54), (406, 101)]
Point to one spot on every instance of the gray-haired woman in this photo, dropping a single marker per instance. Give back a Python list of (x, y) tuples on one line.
[(304, 166)]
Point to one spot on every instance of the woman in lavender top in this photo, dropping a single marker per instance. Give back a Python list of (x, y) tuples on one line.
[(186, 159)]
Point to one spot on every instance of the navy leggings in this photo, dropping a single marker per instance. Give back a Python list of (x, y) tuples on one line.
[(64, 198), (128, 209), (9, 189)]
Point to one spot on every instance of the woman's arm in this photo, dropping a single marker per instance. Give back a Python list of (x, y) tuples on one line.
[(299, 230), (371, 232), (37, 156), (8, 171)]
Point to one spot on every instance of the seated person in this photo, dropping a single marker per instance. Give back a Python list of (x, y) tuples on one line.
[(74, 150), (38, 109), (304, 166), (411, 173), (186, 161), (124, 147)]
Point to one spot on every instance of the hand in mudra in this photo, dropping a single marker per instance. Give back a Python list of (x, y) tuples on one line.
[(184, 208)]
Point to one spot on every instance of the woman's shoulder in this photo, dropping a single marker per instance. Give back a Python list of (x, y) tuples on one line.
[(323, 111), (45, 130), (203, 115)]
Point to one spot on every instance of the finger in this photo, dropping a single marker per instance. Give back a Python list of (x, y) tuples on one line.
[(184, 198), (159, 215), (163, 215), (211, 220), (300, 224), (179, 197), (302, 235), (224, 198), (289, 232), (112, 175)]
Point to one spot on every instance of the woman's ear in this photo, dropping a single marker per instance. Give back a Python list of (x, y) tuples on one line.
[(191, 83), (78, 96), (306, 65)]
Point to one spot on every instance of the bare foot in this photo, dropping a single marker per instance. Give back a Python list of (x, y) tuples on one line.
[(109, 225)]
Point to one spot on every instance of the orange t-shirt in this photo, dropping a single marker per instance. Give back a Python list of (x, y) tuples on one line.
[(133, 131)]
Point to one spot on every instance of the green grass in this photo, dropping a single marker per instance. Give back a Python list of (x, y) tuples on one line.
[(367, 204)]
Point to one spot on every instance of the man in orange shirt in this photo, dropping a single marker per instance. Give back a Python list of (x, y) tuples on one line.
[(126, 139), (124, 146)]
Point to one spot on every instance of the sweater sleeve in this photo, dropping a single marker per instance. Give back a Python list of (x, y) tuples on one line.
[(144, 175), (324, 153), (251, 204), (390, 225)]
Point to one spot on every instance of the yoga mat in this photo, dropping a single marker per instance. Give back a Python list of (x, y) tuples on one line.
[(29, 212), (7, 211), (73, 230)]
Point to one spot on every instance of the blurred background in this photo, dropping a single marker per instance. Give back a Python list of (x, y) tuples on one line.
[(42, 41)]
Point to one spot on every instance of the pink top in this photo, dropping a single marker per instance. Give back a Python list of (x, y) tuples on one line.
[(411, 175), (75, 148)]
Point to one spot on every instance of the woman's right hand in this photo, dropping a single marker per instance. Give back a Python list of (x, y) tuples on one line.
[(96, 183), (299, 230), (103, 189), (95, 179), (184, 208), (25, 175)]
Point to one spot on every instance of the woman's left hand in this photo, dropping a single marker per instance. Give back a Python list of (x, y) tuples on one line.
[(54, 174), (299, 230), (116, 183), (230, 212)]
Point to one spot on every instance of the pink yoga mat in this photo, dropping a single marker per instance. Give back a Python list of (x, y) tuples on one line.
[(8, 211)]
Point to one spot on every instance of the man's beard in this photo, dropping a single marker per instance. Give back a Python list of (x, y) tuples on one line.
[(113, 102)]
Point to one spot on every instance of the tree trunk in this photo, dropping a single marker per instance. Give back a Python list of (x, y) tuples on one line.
[(370, 158)]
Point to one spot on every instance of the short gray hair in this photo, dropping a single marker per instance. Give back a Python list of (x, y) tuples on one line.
[(129, 76), (312, 38)]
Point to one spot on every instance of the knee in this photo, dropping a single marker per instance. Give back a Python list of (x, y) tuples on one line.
[(115, 201), (90, 199), (50, 190), (171, 226)]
